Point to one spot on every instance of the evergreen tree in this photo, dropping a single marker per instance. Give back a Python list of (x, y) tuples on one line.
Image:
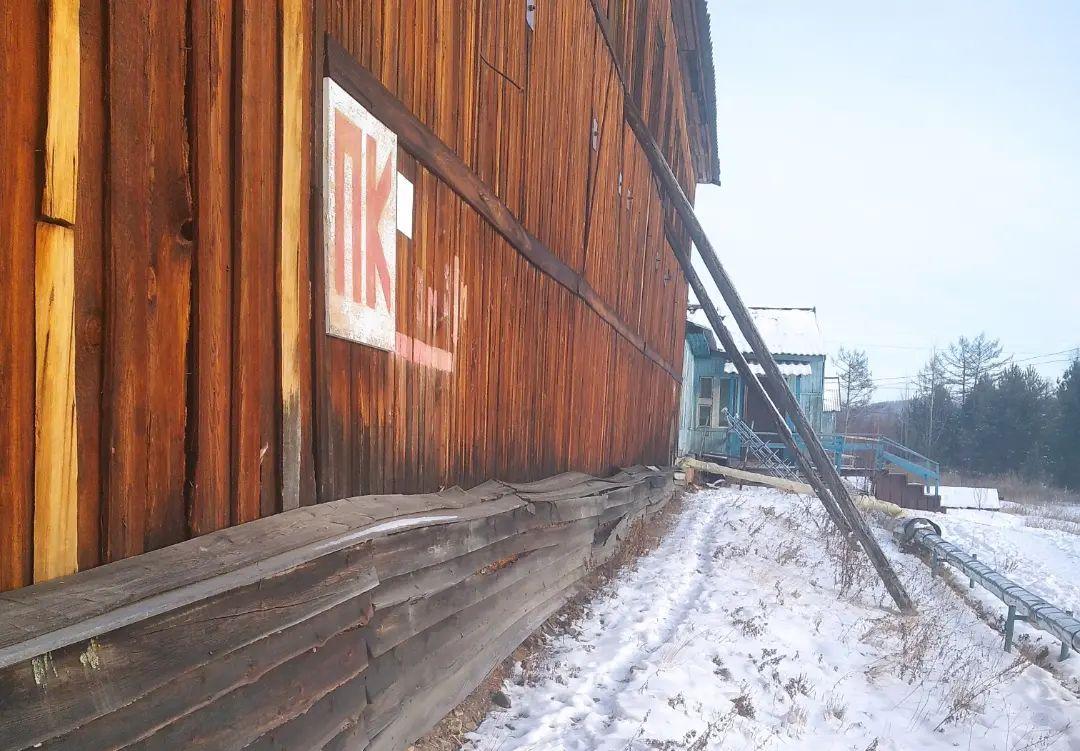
[(1065, 443), (1003, 423)]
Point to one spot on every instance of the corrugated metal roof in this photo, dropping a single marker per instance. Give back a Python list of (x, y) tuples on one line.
[(786, 368), (786, 331)]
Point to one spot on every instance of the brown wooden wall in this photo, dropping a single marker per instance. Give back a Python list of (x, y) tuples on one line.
[(205, 393)]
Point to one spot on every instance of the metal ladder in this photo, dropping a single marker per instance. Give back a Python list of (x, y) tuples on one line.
[(765, 456)]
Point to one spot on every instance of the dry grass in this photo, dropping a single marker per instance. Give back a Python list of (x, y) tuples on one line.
[(642, 537), (1014, 488), (1060, 516)]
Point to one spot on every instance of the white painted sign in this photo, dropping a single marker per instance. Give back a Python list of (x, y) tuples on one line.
[(360, 221)]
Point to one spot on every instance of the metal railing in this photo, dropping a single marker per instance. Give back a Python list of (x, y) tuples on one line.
[(1023, 604), (886, 452)]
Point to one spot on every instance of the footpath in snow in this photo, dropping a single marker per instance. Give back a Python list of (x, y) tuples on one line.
[(750, 628)]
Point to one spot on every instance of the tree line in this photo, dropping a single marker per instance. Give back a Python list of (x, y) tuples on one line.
[(976, 410)]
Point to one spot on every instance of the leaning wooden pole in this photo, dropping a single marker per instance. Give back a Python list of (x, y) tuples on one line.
[(774, 381), (741, 365)]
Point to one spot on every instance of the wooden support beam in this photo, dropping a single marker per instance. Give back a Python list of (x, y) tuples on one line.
[(293, 52), (56, 501), (783, 401), (759, 391), (774, 383)]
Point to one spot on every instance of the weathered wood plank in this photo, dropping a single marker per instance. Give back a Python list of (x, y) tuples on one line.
[(90, 279), (168, 208), (209, 508), (283, 640), (58, 197), (56, 500), (133, 677), (125, 402), (292, 249), (256, 398)]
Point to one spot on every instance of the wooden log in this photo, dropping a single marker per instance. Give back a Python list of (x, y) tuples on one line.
[(778, 392), (56, 501)]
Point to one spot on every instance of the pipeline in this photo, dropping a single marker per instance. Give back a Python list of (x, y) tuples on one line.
[(1023, 604)]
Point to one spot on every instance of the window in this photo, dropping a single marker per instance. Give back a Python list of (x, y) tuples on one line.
[(723, 398), (705, 388), (705, 402)]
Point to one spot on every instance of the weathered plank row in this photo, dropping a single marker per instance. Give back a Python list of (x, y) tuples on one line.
[(421, 669), (420, 712), (393, 626), (285, 642), (136, 675)]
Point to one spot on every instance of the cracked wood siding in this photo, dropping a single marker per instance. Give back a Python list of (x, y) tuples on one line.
[(535, 334)]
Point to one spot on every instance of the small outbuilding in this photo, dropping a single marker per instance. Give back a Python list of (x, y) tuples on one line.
[(711, 383)]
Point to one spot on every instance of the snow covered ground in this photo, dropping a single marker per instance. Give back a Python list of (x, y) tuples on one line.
[(955, 496), (749, 628)]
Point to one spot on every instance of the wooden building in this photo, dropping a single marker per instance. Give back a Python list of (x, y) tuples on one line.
[(164, 364), (278, 278)]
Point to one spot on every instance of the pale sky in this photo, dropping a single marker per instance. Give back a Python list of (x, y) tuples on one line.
[(912, 169)]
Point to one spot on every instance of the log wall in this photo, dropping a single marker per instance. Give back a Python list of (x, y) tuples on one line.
[(162, 356), (354, 624)]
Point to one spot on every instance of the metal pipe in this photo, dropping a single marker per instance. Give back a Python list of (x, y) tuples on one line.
[(1023, 604)]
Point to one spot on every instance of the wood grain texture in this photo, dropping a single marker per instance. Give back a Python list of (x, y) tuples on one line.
[(20, 119), (538, 296), (256, 395), (56, 502), (58, 199), (209, 505), (294, 103)]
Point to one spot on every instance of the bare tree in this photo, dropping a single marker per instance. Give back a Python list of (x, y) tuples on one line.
[(968, 360), (856, 381)]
